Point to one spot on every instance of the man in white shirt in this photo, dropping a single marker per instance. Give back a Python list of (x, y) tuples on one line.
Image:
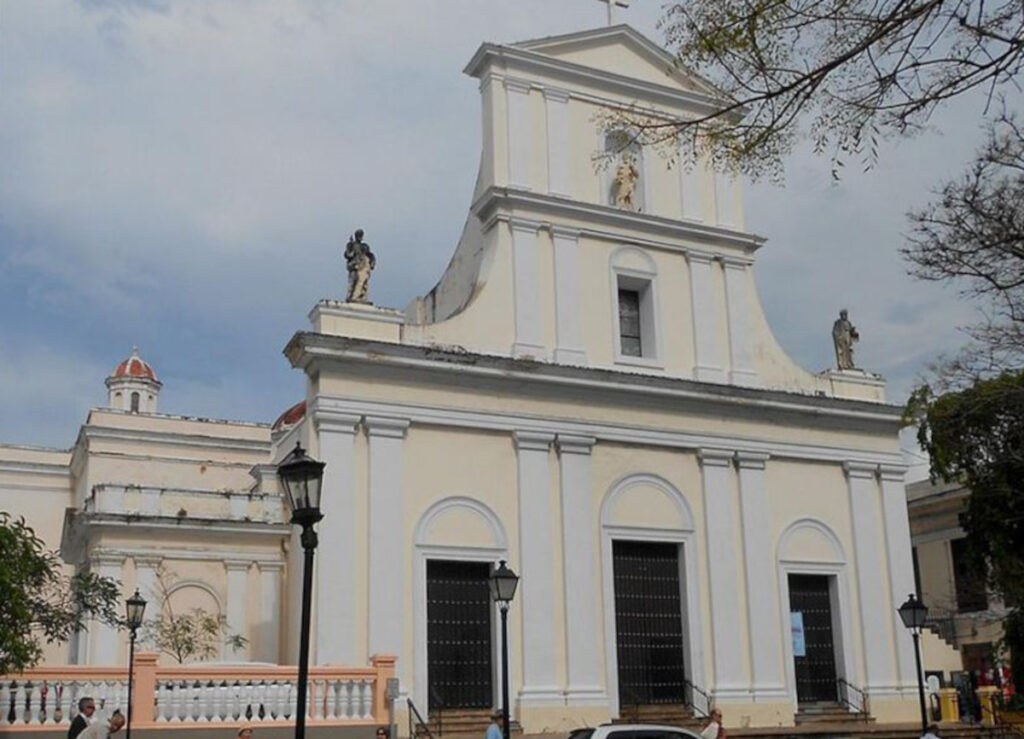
[(932, 733)]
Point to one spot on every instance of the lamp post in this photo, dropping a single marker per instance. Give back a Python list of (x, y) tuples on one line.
[(302, 477), (913, 613), (134, 608), (503, 590)]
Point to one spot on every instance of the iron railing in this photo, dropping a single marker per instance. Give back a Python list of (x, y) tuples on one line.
[(852, 697), (416, 722), (698, 701)]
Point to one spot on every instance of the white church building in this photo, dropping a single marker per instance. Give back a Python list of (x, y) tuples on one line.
[(591, 392)]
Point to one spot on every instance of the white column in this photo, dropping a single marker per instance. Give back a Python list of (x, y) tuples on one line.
[(901, 565), (582, 604), (871, 580), (709, 350), (334, 615), (536, 558), (721, 531), (386, 587), (762, 593), (568, 323), (104, 641), (526, 276), (238, 605), (737, 306), (556, 106), (268, 648), (519, 128)]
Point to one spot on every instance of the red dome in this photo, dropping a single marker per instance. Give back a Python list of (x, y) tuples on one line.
[(291, 416), (135, 366)]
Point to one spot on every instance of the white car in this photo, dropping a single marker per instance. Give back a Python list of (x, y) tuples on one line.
[(633, 731)]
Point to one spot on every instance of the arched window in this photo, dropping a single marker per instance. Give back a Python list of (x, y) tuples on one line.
[(135, 403)]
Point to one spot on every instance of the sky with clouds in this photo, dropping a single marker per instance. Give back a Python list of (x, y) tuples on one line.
[(182, 174)]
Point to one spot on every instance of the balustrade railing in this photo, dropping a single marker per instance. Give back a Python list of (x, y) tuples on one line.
[(196, 694)]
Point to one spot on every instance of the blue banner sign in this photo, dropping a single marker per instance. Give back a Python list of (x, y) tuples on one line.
[(796, 625)]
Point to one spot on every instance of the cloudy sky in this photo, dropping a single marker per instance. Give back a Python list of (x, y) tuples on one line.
[(180, 174)]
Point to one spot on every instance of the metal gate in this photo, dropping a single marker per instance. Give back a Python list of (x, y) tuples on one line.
[(459, 635), (815, 668), (648, 622)]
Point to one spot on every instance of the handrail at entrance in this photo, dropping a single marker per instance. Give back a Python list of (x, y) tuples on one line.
[(419, 719), (690, 696), (852, 697)]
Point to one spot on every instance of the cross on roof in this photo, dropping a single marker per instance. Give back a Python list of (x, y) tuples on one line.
[(612, 4)]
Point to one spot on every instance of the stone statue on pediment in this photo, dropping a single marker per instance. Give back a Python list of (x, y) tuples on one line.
[(844, 336), (626, 176), (360, 263)]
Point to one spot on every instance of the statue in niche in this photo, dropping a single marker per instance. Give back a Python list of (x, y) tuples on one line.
[(626, 177), (844, 336), (360, 263)]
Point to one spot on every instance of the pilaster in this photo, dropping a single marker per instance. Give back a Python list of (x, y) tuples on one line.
[(585, 683), (146, 567), (721, 533), (103, 641), (238, 602), (901, 564), (709, 350), (556, 107), (737, 306), (519, 129), (762, 599), (268, 642), (526, 280), (871, 575), (386, 588), (568, 323), (334, 615), (537, 552)]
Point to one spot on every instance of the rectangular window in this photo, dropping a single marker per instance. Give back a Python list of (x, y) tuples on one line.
[(969, 579), (630, 339)]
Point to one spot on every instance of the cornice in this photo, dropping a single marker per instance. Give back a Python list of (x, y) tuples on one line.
[(523, 60), (307, 350), (192, 524), (509, 203), (148, 436), (545, 427)]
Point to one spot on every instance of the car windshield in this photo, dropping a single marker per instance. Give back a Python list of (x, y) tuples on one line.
[(581, 733)]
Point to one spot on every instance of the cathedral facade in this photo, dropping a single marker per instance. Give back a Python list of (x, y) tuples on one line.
[(590, 392)]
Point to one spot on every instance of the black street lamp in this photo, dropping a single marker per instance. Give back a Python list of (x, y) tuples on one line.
[(503, 590), (303, 478), (134, 608), (914, 613)]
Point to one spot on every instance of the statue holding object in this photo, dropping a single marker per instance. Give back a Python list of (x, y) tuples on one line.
[(844, 336), (626, 176), (360, 263)]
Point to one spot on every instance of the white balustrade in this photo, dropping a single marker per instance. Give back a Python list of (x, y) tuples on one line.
[(208, 697)]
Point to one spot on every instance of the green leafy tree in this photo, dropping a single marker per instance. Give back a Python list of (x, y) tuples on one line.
[(41, 603), (845, 73), (188, 636), (976, 436)]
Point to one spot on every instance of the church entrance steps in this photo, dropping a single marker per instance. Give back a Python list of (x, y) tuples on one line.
[(828, 713), (462, 723), (668, 714)]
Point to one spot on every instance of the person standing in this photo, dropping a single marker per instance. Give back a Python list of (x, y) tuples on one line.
[(493, 730), (104, 729), (714, 729), (932, 733), (86, 709)]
